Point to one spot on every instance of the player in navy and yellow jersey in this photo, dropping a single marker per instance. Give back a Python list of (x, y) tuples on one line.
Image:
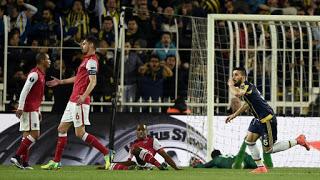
[(264, 123)]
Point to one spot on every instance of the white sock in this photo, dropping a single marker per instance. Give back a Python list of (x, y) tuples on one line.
[(31, 138), (84, 137), (62, 134), (283, 145), (255, 153)]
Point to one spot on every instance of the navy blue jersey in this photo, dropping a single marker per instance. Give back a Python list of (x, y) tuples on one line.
[(258, 105)]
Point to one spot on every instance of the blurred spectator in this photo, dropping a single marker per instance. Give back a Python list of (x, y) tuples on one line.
[(140, 45), (14, 54), (60, 93), (23, 21), (47, 28), (170, 82), (105, 51), (111, 9), (211, 6), (154, 7), (15, 84), (273, 6), (147, 26), (167, 20), (107, 31), (133, 31), (165, 47), (29, 56), (131, 64), (105, 82), (153, 75), (79, 18)]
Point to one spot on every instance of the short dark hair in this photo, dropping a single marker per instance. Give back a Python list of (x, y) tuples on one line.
[(241, 69), (49, 10), (40, 56), (93, 40), (215, 153), (154, 56), (107, 18)]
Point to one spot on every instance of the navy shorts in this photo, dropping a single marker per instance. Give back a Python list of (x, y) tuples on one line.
[(267, 131)]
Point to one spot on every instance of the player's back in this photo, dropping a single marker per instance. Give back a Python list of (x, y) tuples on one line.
[(259, 106), (224, 161), (35, 95)]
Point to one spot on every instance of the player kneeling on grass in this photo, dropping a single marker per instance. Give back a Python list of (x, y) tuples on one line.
[(28, 111), (224, 161), (264, 123), (144, 148)]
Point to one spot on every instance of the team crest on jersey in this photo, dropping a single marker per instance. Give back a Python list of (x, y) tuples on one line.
[(31, 79)]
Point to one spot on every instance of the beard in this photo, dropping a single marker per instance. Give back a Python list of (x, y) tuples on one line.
[(237, 83)]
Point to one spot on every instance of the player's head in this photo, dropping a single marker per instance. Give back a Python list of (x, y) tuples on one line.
[(43, 60), (89, 44), (239, 75), (141, 131), (215, 153)]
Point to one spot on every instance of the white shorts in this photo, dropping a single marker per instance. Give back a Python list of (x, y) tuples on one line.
[(79, 115), (30, 121)]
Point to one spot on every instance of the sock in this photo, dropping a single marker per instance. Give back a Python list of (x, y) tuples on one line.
[(93, 141), (147, 157), (61, 143), (25, 156), (255, 153), (25, 144), (283, 145)]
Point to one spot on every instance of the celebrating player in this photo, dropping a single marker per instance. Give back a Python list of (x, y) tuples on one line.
[(144, 148), (77, 110), (28, 110), (264, 123)]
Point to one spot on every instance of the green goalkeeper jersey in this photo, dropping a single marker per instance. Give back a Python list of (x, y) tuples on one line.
[(226, 161)]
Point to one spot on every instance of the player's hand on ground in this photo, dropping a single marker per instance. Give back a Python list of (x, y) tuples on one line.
[(81, 99), (229, 118), (54, 82), (230, 82), (19, 113)]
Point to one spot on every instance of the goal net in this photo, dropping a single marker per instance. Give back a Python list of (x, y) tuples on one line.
[(281, 55)]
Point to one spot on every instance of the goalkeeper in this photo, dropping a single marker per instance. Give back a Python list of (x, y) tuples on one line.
[(225, 161)]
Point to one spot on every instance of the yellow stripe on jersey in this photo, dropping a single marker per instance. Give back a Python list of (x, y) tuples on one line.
[(266, 119)]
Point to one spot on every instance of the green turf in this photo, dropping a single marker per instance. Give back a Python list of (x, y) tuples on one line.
[(90, 173)]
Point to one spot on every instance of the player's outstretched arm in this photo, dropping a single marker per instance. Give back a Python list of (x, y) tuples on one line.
[(55, 81), (168, 159), (243, 108)]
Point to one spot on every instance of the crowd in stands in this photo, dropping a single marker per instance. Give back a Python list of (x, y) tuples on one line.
[(149, 24)]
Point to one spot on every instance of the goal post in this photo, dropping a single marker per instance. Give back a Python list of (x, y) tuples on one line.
[(280, 55)]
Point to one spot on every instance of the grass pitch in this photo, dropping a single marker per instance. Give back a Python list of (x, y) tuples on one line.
[(91, 173)]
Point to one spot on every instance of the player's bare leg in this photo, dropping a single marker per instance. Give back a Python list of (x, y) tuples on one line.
[(93, 141), (255, 153), (61, 143), (20, 160)]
